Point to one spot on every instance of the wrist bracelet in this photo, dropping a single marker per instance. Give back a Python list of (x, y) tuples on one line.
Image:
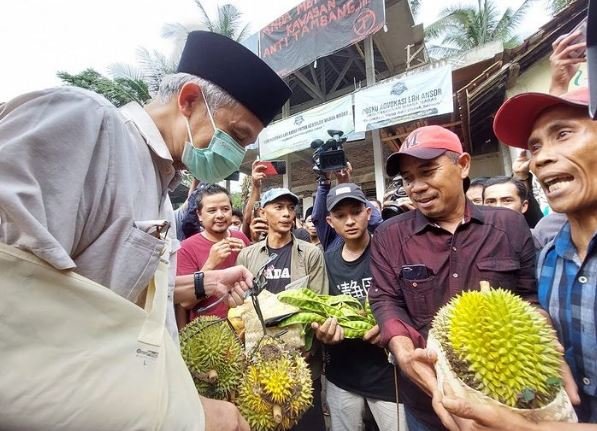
[(199, 288)]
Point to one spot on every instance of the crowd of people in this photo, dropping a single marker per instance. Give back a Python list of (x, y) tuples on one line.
[(437, 233)]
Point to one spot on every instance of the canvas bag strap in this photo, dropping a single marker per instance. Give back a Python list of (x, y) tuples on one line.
[(156, 302)]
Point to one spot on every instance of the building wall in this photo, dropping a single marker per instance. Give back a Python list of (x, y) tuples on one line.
[(486, 165), (307, 202)]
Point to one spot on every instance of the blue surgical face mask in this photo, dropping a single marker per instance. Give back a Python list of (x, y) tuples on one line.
[(221, 158)]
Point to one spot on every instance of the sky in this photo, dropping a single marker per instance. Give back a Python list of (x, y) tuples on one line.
[(40, 37)]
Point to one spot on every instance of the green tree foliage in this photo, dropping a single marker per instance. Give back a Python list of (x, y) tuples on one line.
[(119, 91), (415, 6), (245, 189), (462, 28), (153, 65), (237, 201), (555, 6), (228, 22)]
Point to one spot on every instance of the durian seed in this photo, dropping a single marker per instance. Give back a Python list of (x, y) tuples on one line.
[(277, 413), (212, 376)]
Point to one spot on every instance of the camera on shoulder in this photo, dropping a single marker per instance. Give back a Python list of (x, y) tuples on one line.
[(396, 200), (329, 156)]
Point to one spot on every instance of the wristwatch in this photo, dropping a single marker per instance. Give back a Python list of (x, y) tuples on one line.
[(199, 288)]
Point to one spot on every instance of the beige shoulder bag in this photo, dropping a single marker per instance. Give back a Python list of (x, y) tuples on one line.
[(76, 356)]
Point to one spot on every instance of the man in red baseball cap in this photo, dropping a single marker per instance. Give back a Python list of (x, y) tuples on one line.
[(516, 119), (422, 258), (562, 140)]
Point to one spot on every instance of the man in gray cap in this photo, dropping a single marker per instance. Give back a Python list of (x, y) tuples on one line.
[(84, 183), (294, 260)]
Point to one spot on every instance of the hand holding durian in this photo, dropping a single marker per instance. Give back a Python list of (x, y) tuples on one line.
[(495, 348)]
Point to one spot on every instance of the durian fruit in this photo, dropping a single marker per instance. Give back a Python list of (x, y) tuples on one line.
[(214, 356), (501, 346), (277, 388)]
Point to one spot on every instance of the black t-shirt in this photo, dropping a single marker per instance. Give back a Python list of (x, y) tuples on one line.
[(277, 273), (355, 365)]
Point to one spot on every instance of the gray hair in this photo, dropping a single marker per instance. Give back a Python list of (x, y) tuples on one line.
[(215, 96), (452, 156)]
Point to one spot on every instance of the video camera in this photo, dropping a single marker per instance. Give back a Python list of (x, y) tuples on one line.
[(396, 201), (329, 156)]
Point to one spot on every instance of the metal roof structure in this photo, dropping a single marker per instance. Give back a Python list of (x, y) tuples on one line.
[(480, 79), (396, 49)]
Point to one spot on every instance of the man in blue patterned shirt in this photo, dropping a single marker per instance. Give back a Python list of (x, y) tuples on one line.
[(562, 140)]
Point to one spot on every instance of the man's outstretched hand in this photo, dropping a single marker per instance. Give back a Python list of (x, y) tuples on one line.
[(419, 366), (233, 281)]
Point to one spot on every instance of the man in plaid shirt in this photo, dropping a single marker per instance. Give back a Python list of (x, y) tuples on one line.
[(562, 140)]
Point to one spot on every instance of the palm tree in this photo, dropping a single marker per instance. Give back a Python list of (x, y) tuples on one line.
[(415, 5), (462, 28), (227, 23), (153, 65), (555, 6), (119, 91)]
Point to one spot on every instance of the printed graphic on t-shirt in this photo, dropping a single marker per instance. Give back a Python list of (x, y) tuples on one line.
[(277, 273), (272, 273), (355, 288)]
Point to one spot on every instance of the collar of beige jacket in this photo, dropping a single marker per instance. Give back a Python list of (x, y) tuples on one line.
[(135, 112)]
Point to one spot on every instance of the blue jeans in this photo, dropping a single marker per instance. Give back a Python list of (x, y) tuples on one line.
[(413, 423)]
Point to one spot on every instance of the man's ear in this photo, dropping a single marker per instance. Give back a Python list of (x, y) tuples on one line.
[(199, 216), (262, 214), (189, 95), (525, 206), (329, 220), (464, 161), (369, 211)]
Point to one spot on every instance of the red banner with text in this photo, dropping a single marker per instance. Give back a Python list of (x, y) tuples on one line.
[(316, 28)]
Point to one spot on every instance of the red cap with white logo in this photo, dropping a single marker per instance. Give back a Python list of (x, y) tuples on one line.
[(426, 143)]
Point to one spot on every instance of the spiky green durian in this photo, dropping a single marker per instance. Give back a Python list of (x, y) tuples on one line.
[(277, 389), (500, 345), (214, 356)]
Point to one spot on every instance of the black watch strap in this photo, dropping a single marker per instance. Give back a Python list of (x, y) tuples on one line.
[(199, 288)]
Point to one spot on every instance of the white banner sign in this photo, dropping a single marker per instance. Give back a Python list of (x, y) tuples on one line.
[(296, 133), (404, 99)]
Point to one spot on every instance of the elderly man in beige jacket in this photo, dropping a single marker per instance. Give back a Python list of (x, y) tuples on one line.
[(83, 183)]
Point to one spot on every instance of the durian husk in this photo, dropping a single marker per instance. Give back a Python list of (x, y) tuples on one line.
[(277, 388), (214, 357), (271, 307), (559, 410)]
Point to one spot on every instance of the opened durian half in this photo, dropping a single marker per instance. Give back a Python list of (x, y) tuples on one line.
[(500, 345), (214, 356), (277, 388)]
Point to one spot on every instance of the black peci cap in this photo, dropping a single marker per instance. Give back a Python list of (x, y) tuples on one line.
[(237, 70)]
